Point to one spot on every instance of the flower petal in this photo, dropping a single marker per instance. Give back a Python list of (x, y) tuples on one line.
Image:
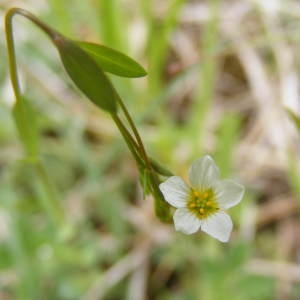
[(175, 191), (219, 226), (185, 221), (203, 173), (228, 193)]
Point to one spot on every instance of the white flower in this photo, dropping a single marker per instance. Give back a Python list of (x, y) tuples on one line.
[(202, 206)]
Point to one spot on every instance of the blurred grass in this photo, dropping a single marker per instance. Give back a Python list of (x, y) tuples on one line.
[(199, 97)]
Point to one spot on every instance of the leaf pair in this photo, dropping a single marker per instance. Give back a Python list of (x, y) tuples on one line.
[(86, 62)]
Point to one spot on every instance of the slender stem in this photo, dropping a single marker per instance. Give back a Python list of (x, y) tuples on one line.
[(132, 140), (53, 209), (136, 133), (161, 207), (19, 11), (160, 204), (53, 35), (131, 143), (11, 45), (11, 51), (135, 145)]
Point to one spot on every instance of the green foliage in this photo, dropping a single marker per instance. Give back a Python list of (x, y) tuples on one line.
[(97, 179), (113, 61), (87, 75)]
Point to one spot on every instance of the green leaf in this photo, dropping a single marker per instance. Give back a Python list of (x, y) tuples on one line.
[(86, 74), (113, 61), (25, 121)]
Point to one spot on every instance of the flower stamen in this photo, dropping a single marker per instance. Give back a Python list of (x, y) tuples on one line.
[(202, 203)]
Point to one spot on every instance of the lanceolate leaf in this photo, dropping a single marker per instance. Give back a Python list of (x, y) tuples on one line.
[(87, 74), (113, 61)]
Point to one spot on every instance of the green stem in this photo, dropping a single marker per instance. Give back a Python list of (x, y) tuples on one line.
[(53, 35), (131, 143), (136, 134), (128, 134), (136, 145), (19, 11), (11, 53), (162, 208), (52, 207)]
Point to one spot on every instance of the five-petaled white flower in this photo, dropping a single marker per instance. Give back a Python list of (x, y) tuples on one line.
[(202, 205)]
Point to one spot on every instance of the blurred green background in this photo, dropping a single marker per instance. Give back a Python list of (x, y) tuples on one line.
[(221, 75)]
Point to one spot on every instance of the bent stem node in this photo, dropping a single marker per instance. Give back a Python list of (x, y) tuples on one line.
[(52, 208)]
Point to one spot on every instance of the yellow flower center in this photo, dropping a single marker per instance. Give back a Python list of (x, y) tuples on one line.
[(202, 203)]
